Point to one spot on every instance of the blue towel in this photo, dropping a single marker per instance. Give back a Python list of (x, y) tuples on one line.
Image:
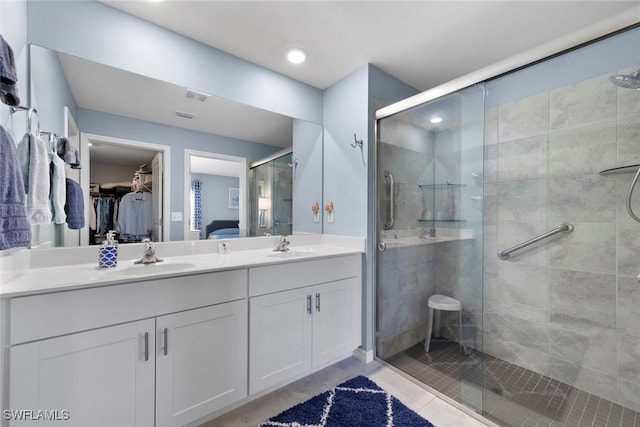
[(8, 76), (14, 227), (74, 206)]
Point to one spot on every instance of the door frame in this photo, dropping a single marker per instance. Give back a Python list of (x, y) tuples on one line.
[(242, 214), (86, 138)]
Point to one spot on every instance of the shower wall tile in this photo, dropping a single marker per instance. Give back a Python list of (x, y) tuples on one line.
[(628, 137), (490, 163), (590, 247), (523, 200), (628, 100), (584, 150), (622, 187), (588, 101), (524, 118), (590, 296), (628, 314), (523, 159), (519, 284), (629, 354), (523, 325), (491, 126), (491, 240), (389, 284), (513, 233), (586, 198), (583, 378), (526, 357), (568, 306), (490, 202), (628, 250), (583, 342), (629, 394)]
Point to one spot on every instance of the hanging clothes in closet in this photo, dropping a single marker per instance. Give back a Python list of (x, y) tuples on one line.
[(135, 216)]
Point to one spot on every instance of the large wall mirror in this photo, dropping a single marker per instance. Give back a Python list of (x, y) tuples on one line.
[(167, 144)]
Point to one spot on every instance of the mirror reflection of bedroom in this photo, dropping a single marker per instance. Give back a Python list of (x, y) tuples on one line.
[(216, 197)]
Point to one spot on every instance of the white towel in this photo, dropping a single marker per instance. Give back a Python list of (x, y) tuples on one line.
[(34, 162), (58, 189)]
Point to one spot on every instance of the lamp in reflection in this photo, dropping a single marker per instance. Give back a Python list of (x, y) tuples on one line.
[(264, 204)]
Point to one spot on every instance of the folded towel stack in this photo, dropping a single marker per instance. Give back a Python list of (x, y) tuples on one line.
[(74, 206), (33, 158), (14, 227), (8, 76), (68, 153)]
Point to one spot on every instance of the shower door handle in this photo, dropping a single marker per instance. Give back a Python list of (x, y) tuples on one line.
[(392, 201)]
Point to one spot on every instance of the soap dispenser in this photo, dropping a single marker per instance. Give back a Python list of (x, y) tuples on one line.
[(108, 257)]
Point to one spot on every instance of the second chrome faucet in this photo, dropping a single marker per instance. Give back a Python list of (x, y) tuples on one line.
[(283, 244)]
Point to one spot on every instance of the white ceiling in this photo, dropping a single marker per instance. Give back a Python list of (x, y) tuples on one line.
[(110, 154), (211, 166), (423, 43), (115, 91)]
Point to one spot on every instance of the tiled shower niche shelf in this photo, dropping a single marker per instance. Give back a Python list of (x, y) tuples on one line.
[(441, 220)]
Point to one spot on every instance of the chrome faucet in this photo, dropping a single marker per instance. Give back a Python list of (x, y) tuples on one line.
[(283, 244), (149, 254)]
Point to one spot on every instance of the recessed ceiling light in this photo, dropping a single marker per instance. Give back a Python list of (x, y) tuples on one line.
[(296, 56), (436, 119)]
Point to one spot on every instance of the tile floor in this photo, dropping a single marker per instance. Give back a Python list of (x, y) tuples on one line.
[(513, 395), (428, 405)]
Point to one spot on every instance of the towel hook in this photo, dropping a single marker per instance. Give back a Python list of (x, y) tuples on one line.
[(357, 142)]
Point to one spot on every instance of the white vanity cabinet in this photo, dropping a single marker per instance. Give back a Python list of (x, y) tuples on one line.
[(85, 350), (102, 377), (302, 316), (201, 362)]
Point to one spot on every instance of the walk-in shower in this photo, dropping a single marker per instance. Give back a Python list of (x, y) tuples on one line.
[(521, 165), (271, 195)]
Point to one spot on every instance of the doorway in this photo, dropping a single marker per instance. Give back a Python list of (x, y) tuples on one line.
[(215, 191), (117, 167)]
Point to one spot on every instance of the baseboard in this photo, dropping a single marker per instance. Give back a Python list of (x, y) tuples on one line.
[(362, 355)]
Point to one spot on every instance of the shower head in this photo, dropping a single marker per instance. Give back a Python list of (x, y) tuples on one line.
[(627, 81)]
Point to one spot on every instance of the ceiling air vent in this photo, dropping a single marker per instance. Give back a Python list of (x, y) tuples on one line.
[(185, 115), (198, 96)]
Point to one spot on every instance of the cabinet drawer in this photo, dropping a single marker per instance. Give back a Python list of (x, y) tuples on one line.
[(47, 315), (281, 277)]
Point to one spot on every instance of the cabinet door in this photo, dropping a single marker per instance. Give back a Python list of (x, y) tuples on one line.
[(201, 362), (336, 319), (102, 377), (279, 337)]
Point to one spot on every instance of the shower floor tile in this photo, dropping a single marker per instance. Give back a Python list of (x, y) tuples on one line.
[(514, 396)]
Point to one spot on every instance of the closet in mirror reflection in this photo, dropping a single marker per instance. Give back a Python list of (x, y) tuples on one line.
[(125, 191)]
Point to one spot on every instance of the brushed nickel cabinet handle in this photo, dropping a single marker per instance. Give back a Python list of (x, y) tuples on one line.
[(165, 334), (146, 346)]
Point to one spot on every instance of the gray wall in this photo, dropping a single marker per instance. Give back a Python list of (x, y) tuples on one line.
[(214, 190)]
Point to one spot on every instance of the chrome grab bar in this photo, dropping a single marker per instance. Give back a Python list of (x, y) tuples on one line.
[(562, 228), (392, 201)]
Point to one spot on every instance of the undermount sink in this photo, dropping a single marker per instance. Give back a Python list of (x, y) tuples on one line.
[(142, 269), (294, 253)]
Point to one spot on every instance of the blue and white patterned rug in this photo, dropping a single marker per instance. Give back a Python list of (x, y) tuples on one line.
[(358, 402)]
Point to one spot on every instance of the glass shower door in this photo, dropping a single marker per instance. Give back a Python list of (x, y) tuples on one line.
[(429, 210)]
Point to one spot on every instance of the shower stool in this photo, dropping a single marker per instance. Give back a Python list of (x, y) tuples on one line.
[(441, 302)]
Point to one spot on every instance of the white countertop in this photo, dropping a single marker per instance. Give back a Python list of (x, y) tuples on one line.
[(46, 279)]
